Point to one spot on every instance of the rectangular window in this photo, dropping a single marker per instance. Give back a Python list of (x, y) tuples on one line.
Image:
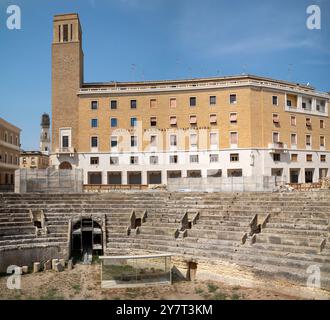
[(294, 157), (173, 121), (213, 139), (153, 141), (114, 142), (293, 121), (308, 122), (233, 99), (65, 141), (193, 101), (322, 141), (234, 157), (153, 103), (153, 160), (94, 161), (213, 119), (289, 103), (323, 158), (322, 126), (114, 161), (275, 101), (276, 118), (193, 120), (65, 33), (94, 123), (153, 122), (94, 142), (113, 104), (293, 139), (309, 157), (133, 104), (133, 122), (276, 137), (134, 142), (193, 140), (277, 157), (233, 118), (114, 122), (94, 105), (134, 160), (214, 158), (213, 100), (172, 102), (308, 140), (173, 159), (233, 138), (173, 140), (194, 158)]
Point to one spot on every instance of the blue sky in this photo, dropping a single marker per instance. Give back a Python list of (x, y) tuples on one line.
[(164, 39)]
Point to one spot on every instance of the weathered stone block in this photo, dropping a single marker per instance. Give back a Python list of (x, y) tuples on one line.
[(70, 265), (36, 267), (25, 269), (62, 261), (59, 267), (54, 261), (47, 265)]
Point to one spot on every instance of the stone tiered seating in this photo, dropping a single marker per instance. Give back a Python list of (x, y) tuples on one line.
[(293, 237)]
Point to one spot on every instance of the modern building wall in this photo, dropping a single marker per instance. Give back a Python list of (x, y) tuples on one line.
[(9, 154), (34, 160), (244, 125)]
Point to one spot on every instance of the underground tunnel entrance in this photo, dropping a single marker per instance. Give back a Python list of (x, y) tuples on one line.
[(86, 240)]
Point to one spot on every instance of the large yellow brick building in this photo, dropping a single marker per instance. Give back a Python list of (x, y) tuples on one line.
[(9, 154), (146, 132)]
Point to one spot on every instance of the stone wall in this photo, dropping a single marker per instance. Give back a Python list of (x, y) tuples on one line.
[(224, 184), (27, 256), (48, 181)]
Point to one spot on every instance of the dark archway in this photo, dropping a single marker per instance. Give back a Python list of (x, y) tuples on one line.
[(65, 166), (87, 240)]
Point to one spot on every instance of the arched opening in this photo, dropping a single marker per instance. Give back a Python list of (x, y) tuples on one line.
[(87, 240), (65, 166)]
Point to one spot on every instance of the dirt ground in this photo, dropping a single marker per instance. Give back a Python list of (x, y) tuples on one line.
[(83, 282)]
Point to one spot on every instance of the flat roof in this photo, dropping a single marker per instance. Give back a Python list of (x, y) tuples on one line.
[(9, 125), (233, 77)]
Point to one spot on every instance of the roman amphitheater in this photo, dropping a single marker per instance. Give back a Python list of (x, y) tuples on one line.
[(252, 239)]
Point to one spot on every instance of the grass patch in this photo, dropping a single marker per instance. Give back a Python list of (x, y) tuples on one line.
[(51, 294), (199, 290), (212, 287), (235, 296), (76, 287), (219, 296)]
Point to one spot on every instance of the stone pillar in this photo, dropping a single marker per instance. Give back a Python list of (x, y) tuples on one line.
[(70, 264), (164, 177), (54, 261), (104, 177), (144, 177), (124, 177), (36, 267)]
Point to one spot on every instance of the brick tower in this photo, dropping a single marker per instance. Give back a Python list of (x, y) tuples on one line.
[(67, 78)]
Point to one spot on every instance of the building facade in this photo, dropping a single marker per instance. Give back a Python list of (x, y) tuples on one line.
[(147, 132), (34, 160), (9, 154)]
